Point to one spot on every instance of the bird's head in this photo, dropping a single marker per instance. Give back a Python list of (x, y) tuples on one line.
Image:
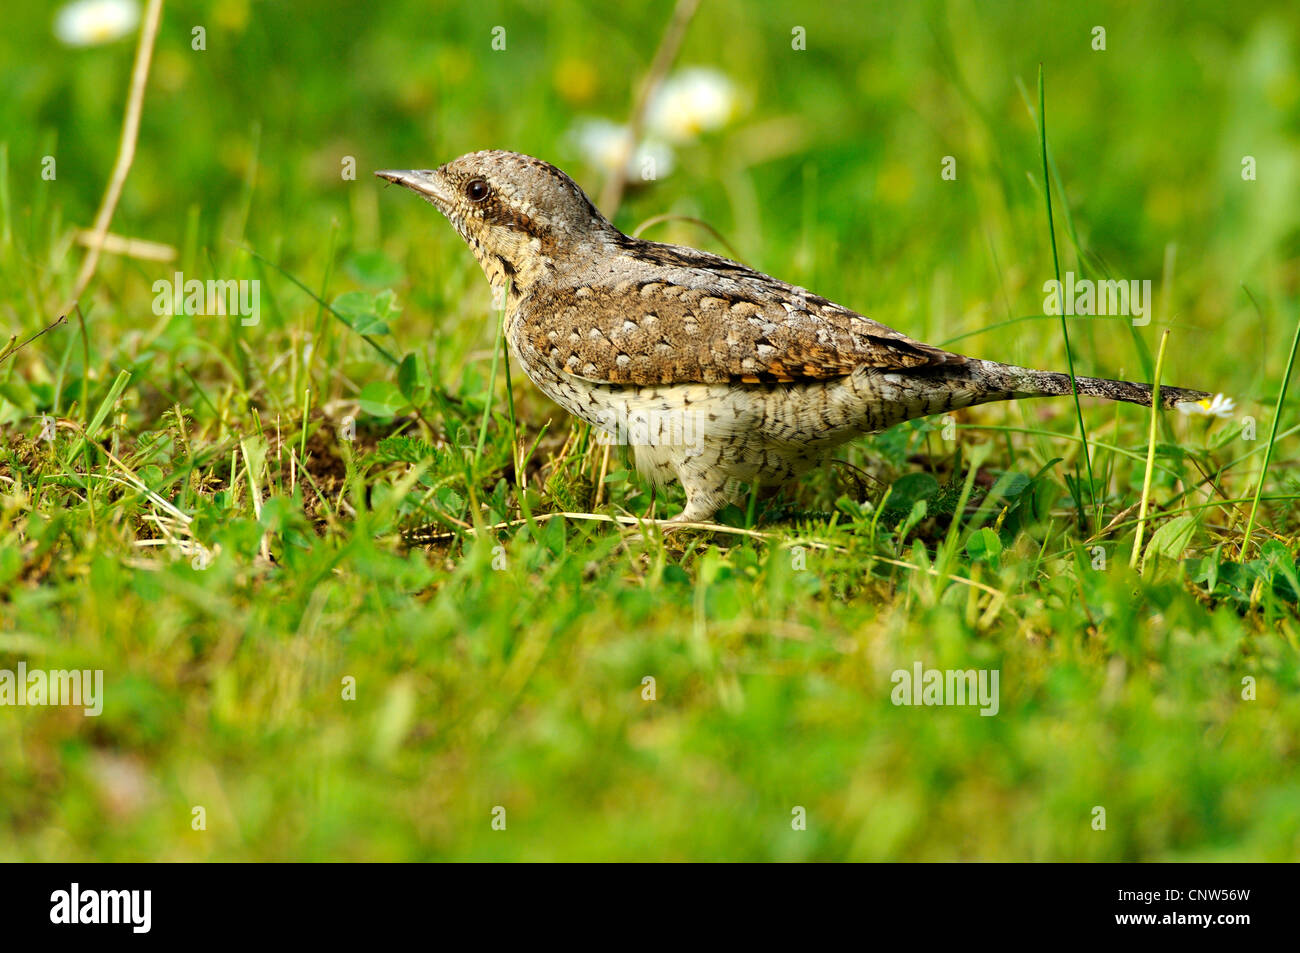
[(519, 215)]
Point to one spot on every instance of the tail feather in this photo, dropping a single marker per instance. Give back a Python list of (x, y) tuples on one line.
[(1025, 382)]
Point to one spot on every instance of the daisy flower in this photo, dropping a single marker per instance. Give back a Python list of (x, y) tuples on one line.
[(92, 22), (1216, 406), (602, 144), (690, 102)]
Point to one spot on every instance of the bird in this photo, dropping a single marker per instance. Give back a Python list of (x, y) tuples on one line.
[(716, 374)]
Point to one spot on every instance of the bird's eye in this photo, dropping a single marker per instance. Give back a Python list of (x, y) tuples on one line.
[(477, 190)]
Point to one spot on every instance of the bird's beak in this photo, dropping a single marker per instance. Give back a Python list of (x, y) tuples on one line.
[(427, 183)]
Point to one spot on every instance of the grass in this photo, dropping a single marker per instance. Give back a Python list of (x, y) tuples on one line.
[(354, 583), (1151, 457), (1065, 327)]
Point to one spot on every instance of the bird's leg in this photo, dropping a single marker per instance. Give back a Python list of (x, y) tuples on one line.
[(706, 493)]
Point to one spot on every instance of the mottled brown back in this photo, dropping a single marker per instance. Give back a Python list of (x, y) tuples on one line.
[(677, 315)]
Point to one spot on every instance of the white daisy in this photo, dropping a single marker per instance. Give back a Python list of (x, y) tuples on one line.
[(1216, 406), (603, 143), (92, 22), (690, 102)]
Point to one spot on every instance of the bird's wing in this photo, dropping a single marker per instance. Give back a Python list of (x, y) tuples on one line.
[(742, 329)]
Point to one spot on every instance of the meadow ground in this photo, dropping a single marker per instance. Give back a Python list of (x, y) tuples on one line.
[(277, 542)]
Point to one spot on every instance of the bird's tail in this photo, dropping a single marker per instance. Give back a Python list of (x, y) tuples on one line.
[(1024, 382)]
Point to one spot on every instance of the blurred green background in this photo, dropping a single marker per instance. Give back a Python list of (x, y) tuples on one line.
[(522, 687), (828, 176)]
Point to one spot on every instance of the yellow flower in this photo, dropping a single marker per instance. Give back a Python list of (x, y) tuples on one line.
[(576, 80)]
